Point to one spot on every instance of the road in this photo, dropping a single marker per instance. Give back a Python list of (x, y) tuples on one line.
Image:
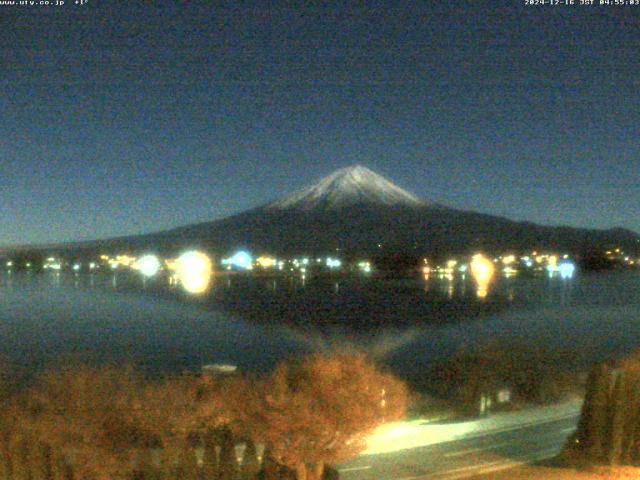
[(479, 453)]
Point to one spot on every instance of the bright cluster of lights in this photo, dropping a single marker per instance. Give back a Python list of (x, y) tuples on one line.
[(482, 270), (240, 259), (52, 264), (194, 270), (118, 261), (148, 265), (125, 260), (365, 266), (509, 259), (333, 262), (447, 271), (266, 261), (618, 255), (298, 262), (566, 269)]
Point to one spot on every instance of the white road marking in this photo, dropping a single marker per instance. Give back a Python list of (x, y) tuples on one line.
[(474, 470), (502, 465), (474, 450), (354, 469), (560, 433)]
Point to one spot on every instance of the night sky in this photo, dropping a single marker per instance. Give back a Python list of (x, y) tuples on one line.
[(130, 119)]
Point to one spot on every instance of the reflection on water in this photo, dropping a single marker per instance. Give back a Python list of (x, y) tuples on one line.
[(44, 318), (253, 321)]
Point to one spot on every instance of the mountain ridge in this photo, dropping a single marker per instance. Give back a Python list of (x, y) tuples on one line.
[(356, 211)]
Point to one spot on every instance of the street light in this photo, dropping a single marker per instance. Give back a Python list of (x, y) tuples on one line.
[(149, 265), (482, 270), (194, 271)]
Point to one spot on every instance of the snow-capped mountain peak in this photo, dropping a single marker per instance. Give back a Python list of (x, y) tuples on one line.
[(349, 186)]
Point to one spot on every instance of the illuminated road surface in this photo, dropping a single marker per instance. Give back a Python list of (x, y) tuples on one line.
[(479, 453)]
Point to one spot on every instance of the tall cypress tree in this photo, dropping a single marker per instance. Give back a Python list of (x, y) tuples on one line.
[(586, 431), (599, 425), (616, 421), (631, 454), (609, 426)]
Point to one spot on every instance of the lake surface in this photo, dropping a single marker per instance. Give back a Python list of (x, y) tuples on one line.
[(254, 322)]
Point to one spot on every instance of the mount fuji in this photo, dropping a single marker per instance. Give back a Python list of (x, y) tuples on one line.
[(347, 187), (355, 211)]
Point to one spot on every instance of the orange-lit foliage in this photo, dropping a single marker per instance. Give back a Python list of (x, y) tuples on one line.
[(103, 421), (112, 423), (318, 410)]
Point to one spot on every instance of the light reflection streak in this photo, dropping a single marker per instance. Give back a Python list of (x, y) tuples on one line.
[(482, 270)]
